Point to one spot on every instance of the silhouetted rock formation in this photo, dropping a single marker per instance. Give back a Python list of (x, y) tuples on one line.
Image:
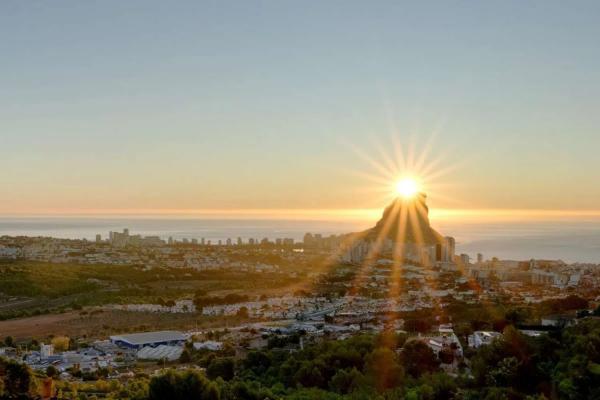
[(406, 221)]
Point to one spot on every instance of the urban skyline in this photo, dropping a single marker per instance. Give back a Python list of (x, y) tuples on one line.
[(277, 200)]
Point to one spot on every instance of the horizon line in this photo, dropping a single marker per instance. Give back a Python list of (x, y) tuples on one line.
[(305, 213)]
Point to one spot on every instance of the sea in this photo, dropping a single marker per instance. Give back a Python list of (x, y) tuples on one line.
[(574, 240)]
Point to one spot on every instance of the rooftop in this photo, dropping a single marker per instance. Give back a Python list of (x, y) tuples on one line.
[(149, 337)]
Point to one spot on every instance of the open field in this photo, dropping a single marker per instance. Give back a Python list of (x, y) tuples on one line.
[(39, 300), (99, 325), (29, 288)]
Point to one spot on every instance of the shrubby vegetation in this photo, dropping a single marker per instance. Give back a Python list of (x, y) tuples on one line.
[(560, 365), (55, 288), (16, 380), (201, 300)]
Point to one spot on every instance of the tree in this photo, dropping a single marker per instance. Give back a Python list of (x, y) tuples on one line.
[(440, 386), (249, 390), (211, 392), (383, 368), (418, 358), (60, 343), (185, 356), (183, 386), (9, 341), (51, 371), (516, 315), (221, 368), (446, 355), (346, 381), (309, 375), (18, 379), (390, 339), (504, 373), (257, 361)]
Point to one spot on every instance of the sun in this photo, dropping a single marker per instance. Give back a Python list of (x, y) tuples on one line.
[(401, 171), (407, 188)]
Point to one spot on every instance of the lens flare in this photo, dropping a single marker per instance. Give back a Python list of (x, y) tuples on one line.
[(402, 170), (407, 188)]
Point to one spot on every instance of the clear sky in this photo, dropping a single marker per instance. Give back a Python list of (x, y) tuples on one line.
[(252, 104)]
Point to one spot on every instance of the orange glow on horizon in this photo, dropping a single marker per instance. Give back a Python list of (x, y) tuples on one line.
[(473, 215)]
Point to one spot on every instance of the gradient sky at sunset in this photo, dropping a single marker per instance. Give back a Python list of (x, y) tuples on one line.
[(251, 104)]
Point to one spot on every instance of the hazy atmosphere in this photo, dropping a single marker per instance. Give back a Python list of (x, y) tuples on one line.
[(212, 105), (299, 200)]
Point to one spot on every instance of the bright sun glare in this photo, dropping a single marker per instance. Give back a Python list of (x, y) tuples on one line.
[(407, 188), (400, 170)]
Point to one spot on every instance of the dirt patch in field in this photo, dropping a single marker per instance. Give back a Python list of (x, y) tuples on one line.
[(100, 325), (18, 328)]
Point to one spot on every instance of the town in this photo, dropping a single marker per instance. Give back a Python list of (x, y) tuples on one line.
[(324, 288)]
